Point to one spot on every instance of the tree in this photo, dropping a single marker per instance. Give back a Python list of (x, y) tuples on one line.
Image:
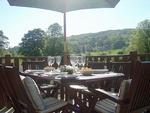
[(14, 51), (53, 46), (141, 37), (3, 43), (54, 43), (55, 30), (3, 40), (33, 43)]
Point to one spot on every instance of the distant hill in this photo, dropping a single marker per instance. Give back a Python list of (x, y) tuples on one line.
[(101, 41)]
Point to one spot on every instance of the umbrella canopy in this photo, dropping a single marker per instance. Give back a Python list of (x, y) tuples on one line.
[(64, 6)]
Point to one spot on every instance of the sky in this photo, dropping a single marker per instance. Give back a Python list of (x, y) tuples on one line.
[(17, 21)]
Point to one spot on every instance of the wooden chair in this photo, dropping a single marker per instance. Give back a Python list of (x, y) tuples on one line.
[(48, 90), (133, 97), (83, 100), (5, 101), (121, 67), (118, 67), (25, 95), (44, 85)]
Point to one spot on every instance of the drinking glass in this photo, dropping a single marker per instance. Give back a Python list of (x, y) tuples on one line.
[(58, 60), (83, 60), (50, 60), (73, 60), (79, 61), (74, 63)]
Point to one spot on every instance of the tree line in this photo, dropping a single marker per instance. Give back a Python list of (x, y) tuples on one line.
[(38, 42)]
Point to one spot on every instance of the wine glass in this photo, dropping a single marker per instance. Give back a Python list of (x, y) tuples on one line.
[(74, 63), (58, 60), (73, 60), (50, 60), (79, 61), (83, 60)]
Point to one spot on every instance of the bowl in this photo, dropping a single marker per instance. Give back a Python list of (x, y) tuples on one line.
[(86, 71)]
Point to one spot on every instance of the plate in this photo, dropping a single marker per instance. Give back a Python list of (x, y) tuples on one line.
[(34, 71), (99, 71)]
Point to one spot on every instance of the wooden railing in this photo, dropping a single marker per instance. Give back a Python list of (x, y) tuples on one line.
[(103, 59), (17, 61)]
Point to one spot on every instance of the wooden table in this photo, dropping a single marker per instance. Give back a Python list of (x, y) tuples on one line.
[(89, 80)]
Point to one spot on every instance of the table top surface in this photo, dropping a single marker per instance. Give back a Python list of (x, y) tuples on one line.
[(99, 75)]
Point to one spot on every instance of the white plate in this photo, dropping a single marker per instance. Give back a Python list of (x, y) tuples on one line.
[(99, 71)]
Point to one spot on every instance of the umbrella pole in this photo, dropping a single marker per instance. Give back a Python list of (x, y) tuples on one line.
[(65, 43)]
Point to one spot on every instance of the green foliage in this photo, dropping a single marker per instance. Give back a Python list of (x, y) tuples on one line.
[(3, 40), (101, 42), (3, 43), (3, 52), (53, 46), (54, 30), (141, 38), (108, 52), (14, 51), (33, 43), (37, 43)]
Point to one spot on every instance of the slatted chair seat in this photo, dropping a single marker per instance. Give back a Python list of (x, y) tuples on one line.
[(51, 104), (7, 110), (109, 106), (106, 106)]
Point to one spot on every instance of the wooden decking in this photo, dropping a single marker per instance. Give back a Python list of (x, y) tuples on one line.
[(118, 63)]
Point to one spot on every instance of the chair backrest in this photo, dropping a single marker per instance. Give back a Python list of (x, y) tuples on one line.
[(39, 80), (136, 91), (139, 92), (121, 67), (16, 91), (5, 101)]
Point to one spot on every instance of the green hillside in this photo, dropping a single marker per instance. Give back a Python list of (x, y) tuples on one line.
[(101, 42)]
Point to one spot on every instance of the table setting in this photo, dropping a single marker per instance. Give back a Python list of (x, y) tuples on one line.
[(70, 72), (77, 70)]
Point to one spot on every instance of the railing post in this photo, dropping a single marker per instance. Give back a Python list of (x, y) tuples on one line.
[(16, 62), (133, 59), (7, 60), (0, 60), (46, 61)]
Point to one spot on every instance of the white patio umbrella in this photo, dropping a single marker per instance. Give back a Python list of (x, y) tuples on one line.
[(64, 6)]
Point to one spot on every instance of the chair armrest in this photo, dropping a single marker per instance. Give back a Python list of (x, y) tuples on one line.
[(24, 105), (104, 94)]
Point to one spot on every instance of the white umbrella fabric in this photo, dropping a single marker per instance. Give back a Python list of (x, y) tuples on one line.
[(64, 6)]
